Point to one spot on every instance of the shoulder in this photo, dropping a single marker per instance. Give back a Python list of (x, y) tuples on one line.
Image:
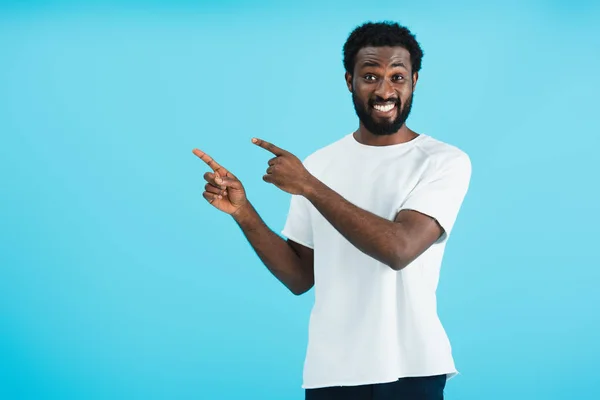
[(444, 155), (326, 153)]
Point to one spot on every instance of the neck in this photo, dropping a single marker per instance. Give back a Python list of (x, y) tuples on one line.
[(403, 135)]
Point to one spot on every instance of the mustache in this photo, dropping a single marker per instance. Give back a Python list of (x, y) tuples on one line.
[(378, 99)]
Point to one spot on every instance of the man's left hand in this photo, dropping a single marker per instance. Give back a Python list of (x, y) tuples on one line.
[(285, 170)]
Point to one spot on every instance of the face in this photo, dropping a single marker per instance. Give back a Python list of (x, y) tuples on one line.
[(382, 88)]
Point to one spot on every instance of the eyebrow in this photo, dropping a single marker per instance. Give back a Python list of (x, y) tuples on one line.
[(376, 64), (370, 64)]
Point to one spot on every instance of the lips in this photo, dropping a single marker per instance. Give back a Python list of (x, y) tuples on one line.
[(385, 108)]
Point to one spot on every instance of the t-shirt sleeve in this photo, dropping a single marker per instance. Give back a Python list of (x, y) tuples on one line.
[(441, 194), (298, 225)]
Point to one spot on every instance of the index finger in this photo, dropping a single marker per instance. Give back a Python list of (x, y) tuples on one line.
[(207, 159), (269, 146)]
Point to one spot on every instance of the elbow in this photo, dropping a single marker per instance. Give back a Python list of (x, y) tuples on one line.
[(303, 283), (298, 290), (398, 260), (397, 265)]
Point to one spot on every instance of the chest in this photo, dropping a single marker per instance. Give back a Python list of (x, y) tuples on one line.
[(376, 185)]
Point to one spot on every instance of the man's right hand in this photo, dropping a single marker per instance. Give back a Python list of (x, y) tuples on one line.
[(291, 263), (223, 190)]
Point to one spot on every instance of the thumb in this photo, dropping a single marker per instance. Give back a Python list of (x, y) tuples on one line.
[(228, 181)]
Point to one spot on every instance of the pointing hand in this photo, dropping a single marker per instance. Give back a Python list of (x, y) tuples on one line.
[(223, 190), (285, 170)]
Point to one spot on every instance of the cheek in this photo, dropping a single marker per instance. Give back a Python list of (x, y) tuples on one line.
[(362, 93), (358, 87), (405, 94)]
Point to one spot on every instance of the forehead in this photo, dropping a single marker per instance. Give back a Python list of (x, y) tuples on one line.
[(383, 56)]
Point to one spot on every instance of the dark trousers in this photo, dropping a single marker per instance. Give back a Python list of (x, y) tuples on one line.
[(413, 388)]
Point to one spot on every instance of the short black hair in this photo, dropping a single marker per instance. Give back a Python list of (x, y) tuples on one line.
[(379, 34)]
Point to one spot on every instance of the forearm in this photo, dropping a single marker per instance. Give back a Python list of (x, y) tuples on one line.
[(377, 237), (274, 251)]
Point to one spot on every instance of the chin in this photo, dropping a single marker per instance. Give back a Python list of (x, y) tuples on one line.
[(384, 133)]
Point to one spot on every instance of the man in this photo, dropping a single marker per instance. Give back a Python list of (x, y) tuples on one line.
[(369, 219)]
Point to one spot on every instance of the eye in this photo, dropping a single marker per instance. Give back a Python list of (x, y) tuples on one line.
[(397, 78), (370, 77)]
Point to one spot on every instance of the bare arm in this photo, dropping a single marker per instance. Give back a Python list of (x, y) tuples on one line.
[(290, 262), (395, 243)]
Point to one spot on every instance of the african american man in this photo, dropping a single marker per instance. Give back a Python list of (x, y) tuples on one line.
[(369, 219)]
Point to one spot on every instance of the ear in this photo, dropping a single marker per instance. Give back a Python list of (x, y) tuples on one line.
[(348, 81), (415, 79)]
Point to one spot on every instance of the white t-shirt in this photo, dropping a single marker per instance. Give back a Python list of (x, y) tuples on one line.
[(371, 324)]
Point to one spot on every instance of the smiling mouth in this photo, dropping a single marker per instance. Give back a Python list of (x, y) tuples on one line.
[(384, 107)]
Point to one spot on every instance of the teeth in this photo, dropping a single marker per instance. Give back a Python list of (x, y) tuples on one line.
[(383, 108)]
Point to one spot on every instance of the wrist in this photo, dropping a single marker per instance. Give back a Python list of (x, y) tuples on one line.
[(242, 213), (311, 187)]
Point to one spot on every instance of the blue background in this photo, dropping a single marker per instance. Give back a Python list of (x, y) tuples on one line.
[(118, 281)]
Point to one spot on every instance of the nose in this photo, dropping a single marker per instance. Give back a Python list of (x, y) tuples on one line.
[(384, 89)]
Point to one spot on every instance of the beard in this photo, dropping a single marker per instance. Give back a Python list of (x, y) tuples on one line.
[(382, 127)]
